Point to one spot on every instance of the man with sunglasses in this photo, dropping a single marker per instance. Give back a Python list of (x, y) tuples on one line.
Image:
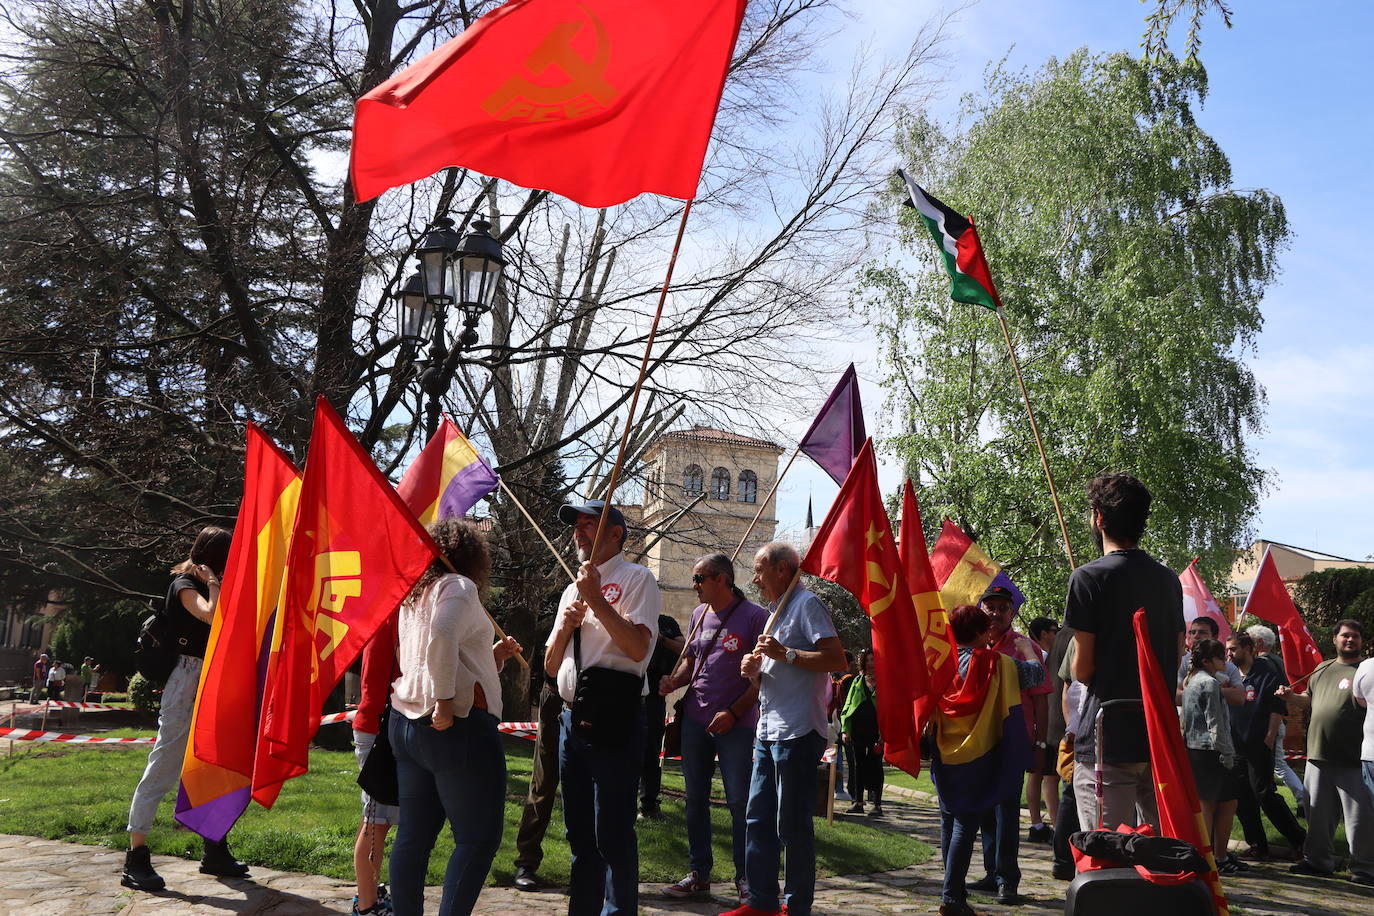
[(720, 710)]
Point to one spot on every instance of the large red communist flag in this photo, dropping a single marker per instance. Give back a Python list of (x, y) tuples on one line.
[(355, 553), (1180, 811), (596, 100), (1269, 600), (854, 547)]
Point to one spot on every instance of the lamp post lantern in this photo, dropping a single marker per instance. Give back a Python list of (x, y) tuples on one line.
[(456, 272)]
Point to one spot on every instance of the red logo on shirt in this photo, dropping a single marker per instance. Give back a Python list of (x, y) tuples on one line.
[(730, 643), (611, 592), (1249, 694), (1344, 684)]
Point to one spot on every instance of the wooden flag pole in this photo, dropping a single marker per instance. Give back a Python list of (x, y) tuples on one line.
[(764, 505), (639, 383), (572, 576), (1039, 443)]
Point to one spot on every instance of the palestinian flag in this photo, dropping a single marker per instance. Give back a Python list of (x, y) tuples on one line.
[(958, 240)]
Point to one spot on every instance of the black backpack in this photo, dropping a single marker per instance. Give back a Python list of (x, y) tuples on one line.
[(155, 653)]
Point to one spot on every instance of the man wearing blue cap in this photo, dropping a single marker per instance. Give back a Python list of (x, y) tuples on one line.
[(607, 619)]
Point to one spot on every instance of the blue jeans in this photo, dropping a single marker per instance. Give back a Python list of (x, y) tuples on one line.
[(458, 774), (957, 833), (699, 751), (1367, 771), (782, 800), (1001, 828), (600, 785)]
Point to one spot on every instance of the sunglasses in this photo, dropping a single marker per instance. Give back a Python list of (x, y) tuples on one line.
[(698, 578)]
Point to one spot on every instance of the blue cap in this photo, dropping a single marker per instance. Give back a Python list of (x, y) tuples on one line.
[(568, 514)]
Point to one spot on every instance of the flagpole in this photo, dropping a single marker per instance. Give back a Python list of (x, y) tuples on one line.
[(639, 382), (1039, 443), (764, 505), (537, 530)]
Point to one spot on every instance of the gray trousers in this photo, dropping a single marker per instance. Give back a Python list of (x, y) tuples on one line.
[(1334, 790), (1128, 795), (173, 729)]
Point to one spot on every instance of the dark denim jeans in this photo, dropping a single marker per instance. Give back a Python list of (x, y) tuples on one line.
[(699, 751), (599, 798), (1001, 828), (1065, 827), (957, 833), (782, 800), (458, 774)]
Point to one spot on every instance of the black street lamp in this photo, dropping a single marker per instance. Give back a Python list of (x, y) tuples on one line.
[(455, 272)]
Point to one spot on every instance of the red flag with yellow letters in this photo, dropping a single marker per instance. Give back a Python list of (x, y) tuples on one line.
[(855, 548), (942, 655), (596, 100), (355, 553)]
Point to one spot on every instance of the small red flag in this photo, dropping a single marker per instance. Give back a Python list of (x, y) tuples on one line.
[(1180, 811), (854, 547), (1269, 600), (942, 654), (596, 100), (355, 553)]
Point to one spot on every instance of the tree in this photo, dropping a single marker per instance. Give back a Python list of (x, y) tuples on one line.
[(1160, 21), (1330, 595), (1131, 270), (181, 254)]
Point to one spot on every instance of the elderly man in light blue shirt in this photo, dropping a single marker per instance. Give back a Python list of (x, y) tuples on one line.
[(791, 665)]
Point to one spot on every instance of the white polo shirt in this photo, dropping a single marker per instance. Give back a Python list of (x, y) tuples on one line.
[(631, 590)]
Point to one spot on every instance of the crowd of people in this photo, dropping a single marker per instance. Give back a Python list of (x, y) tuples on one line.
[(763, 688)]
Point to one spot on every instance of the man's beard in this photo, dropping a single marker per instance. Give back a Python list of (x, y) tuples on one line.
[(1097, 537), (584, 553), (1345, 656)]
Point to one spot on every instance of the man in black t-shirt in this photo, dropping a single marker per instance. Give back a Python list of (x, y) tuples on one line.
[(1103, 598)]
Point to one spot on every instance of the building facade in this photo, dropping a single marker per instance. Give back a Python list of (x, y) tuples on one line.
[(719, 478)]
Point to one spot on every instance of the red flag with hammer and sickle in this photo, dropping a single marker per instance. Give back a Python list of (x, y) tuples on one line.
[(855, 548), (595, 100)]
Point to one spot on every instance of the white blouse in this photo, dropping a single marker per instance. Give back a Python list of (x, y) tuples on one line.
[(445, 648)]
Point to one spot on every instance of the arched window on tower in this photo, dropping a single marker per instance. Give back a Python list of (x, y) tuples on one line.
[(748, 487), (720, 484), (692, 479)]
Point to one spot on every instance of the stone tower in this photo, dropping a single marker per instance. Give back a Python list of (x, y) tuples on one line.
[(734, 472)]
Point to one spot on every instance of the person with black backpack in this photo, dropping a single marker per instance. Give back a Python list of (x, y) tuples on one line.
[(187, 613)]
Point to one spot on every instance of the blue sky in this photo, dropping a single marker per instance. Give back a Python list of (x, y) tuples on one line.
[(1289, 103)]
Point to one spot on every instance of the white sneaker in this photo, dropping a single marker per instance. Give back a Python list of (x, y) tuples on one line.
[(842, 795)]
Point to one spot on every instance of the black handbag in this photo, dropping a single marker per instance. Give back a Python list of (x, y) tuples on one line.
[(378, 776), (606, 702), (155, 651)]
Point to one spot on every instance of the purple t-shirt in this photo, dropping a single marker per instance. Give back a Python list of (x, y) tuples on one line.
[(718, 682)]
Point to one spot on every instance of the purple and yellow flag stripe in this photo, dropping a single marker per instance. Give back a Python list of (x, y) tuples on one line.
[(448, 477), (217, 772)]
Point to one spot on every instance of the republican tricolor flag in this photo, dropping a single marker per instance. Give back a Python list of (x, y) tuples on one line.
[(957, 239), (447, 479), (218, 770), (962, 569)]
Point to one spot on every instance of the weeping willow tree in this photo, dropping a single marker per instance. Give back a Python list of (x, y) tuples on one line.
[(1132, 272)]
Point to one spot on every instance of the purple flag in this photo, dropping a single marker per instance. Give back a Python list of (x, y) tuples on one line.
[(1018, 597), (837, 433)]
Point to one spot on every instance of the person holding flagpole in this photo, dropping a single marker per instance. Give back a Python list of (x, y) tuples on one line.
[(190, 607), (791, 665), (450, 762)]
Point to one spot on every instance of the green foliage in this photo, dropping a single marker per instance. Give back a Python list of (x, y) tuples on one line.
[(1161, 18), (1329, 595), (102, 628), (144, 694), (312, 826), (1131, 271)]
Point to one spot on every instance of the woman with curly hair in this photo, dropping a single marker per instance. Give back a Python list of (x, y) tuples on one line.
[(447, 702)]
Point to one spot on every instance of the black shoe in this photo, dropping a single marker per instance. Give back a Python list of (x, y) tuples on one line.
[(652, 814), (1008, 897), (220, 862), (1040, 833), (1357, 877), (987, 884), (138, 871), (877, 810), (1063, 872), (1305, 867), (856, 808), (525, 879)]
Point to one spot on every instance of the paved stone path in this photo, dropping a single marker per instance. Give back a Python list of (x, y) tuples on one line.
[(51, 878)]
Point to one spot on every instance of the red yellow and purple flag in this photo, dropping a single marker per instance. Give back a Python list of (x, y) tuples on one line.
[(855, 548), (981, 734), (1269, 600), (596, 100), (962, 568), (837, 433), (1180, 811), (448, 477), (218, 770), (942, 659), (356, 551)]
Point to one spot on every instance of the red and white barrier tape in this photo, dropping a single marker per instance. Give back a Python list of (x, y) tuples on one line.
[(27, 734), (99, 707)]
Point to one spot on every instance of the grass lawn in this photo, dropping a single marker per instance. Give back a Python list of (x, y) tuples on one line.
[(82, 794)]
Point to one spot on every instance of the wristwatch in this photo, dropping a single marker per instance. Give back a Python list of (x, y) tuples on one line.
[(1040, 744), (791, 656)]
